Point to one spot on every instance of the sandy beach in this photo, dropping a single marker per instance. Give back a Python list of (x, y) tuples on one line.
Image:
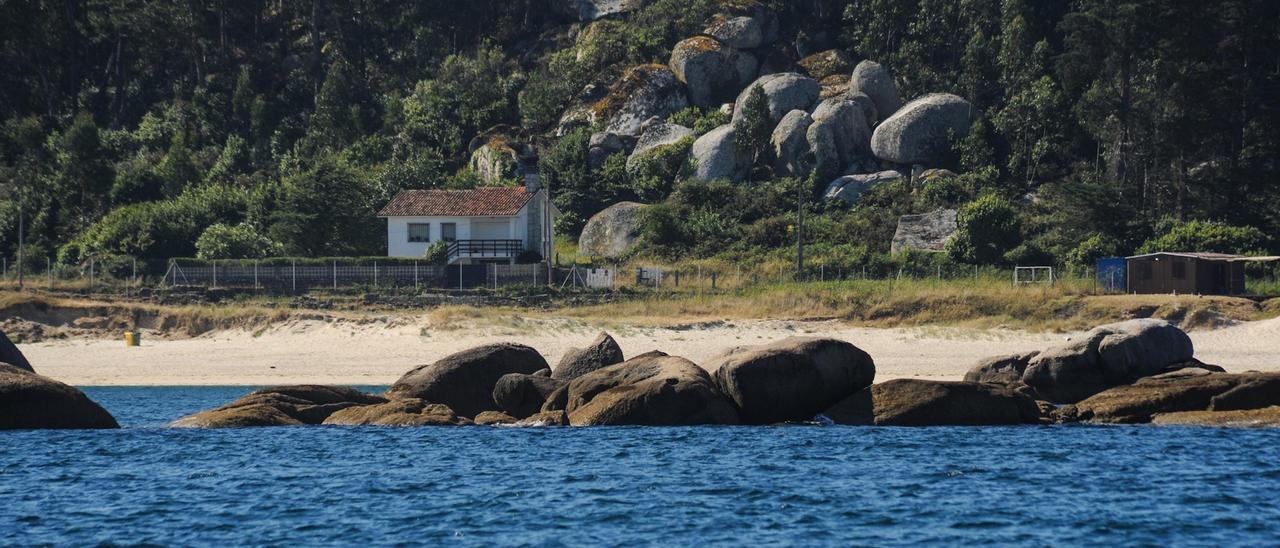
[(378, 352)]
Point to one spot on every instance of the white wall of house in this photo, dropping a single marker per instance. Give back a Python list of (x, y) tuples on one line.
[(398, 244)]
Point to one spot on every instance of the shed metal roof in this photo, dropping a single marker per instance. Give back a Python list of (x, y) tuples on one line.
[(1224, 257)]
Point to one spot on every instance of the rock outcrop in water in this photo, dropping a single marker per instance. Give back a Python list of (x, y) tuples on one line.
[(521, 395), (649, 390), (1107, 356), (465, 381), (916, 402), (281, 406), (31, 401), (10, 354), (400, 412), (791, 380), (1188, 390), (601, 353)]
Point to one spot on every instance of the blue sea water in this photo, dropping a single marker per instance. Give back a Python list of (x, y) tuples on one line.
[(796, 485)]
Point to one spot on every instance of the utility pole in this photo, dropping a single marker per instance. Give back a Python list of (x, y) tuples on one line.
[(21, 227)]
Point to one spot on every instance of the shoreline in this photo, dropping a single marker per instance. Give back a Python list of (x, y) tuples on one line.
[(320, 352)]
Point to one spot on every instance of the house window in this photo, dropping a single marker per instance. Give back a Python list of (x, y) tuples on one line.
[(449, 232), (420, 232), (1179, 270)]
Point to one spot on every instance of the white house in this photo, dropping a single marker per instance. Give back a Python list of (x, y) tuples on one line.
[(485, 224)]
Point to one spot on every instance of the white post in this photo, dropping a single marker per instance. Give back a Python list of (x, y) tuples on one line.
[(495, 277), (415, 274), (215, 273), (335, 274), (293, 274), (255, 274), (375, 274)]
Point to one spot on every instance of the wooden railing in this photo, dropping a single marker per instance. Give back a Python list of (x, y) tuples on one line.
[(485, 248)]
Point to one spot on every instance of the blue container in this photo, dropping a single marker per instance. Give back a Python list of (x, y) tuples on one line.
[(1113, 274)]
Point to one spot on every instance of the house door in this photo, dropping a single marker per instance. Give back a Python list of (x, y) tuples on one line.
[(491, 230)]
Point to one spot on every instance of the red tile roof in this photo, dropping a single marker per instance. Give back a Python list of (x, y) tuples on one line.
[(476, 202)]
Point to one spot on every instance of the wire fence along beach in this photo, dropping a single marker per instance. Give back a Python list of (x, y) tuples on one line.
[(299, 275)]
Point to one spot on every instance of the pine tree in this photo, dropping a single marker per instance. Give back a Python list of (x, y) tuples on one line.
[(752, 129)]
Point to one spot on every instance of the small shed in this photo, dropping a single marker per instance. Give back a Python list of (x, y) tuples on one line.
[(1188, 273)]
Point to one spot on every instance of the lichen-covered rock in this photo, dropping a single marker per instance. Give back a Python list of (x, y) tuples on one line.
[(602, 352), (922, 131), (785, 91), (292, 405), (1001, 369), (716, 156), (743, 31), (791, 143), (925, 232), (711, 70), (869, 110), (10, 354), (642, 93), (838, 136), (612, 232), (602, 145), (851, 187), (655, 137), (1176, 392), (792, 379), (1107, 356), (31, 401), (464, 381), (917, 402), (521, 395), (401, 412), (872, 79), (651, 390), (827, 63), (495, 161)]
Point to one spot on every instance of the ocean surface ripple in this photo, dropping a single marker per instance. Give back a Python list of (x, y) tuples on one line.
[(798, 485)]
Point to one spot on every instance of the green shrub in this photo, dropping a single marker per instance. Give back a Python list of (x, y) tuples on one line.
[(1095, 247), (242, 241), (1207, 236), (988, 227), (437, 253)]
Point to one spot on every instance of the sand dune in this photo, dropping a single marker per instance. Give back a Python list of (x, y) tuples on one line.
[(377, 353)]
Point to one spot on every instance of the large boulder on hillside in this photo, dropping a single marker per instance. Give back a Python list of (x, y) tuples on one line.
[(869, 110), (612, 232), (31, 401), (1186, 390), (464, 381), (744, 31), (590, 10), (790, 141), (851, 187), (10, 354), (651, 390), (401, 412), (496, 160), (602, 145), (792, 379), (657, 136), (872, 79), (786, 91), (1001, 369), (828, 63), (916, 402), (294, 405), (925, 232), (716, 156), (601, 353), (522, 395), (1107, 356), (642, 93), (838, 136), (711, 70), (922, 131)]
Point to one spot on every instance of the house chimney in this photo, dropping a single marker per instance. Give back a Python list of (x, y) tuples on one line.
[(532, 182), (529, 165)]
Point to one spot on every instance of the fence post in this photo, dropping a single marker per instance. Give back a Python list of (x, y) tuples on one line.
[(335, 274), (822, 273), (134, 280), (293, 275), (49, 267), (495, 277), (375, 274), (415, 274), (459, 276), (255, 274), (90, 274), (713, 280), (215, 273)]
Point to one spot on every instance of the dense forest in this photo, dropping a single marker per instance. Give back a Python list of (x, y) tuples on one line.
[(279, 127)]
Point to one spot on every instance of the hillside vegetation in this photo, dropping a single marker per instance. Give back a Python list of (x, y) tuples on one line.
[(250, 129)]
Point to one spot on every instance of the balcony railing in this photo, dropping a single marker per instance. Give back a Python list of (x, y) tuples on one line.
[(479, 249)]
